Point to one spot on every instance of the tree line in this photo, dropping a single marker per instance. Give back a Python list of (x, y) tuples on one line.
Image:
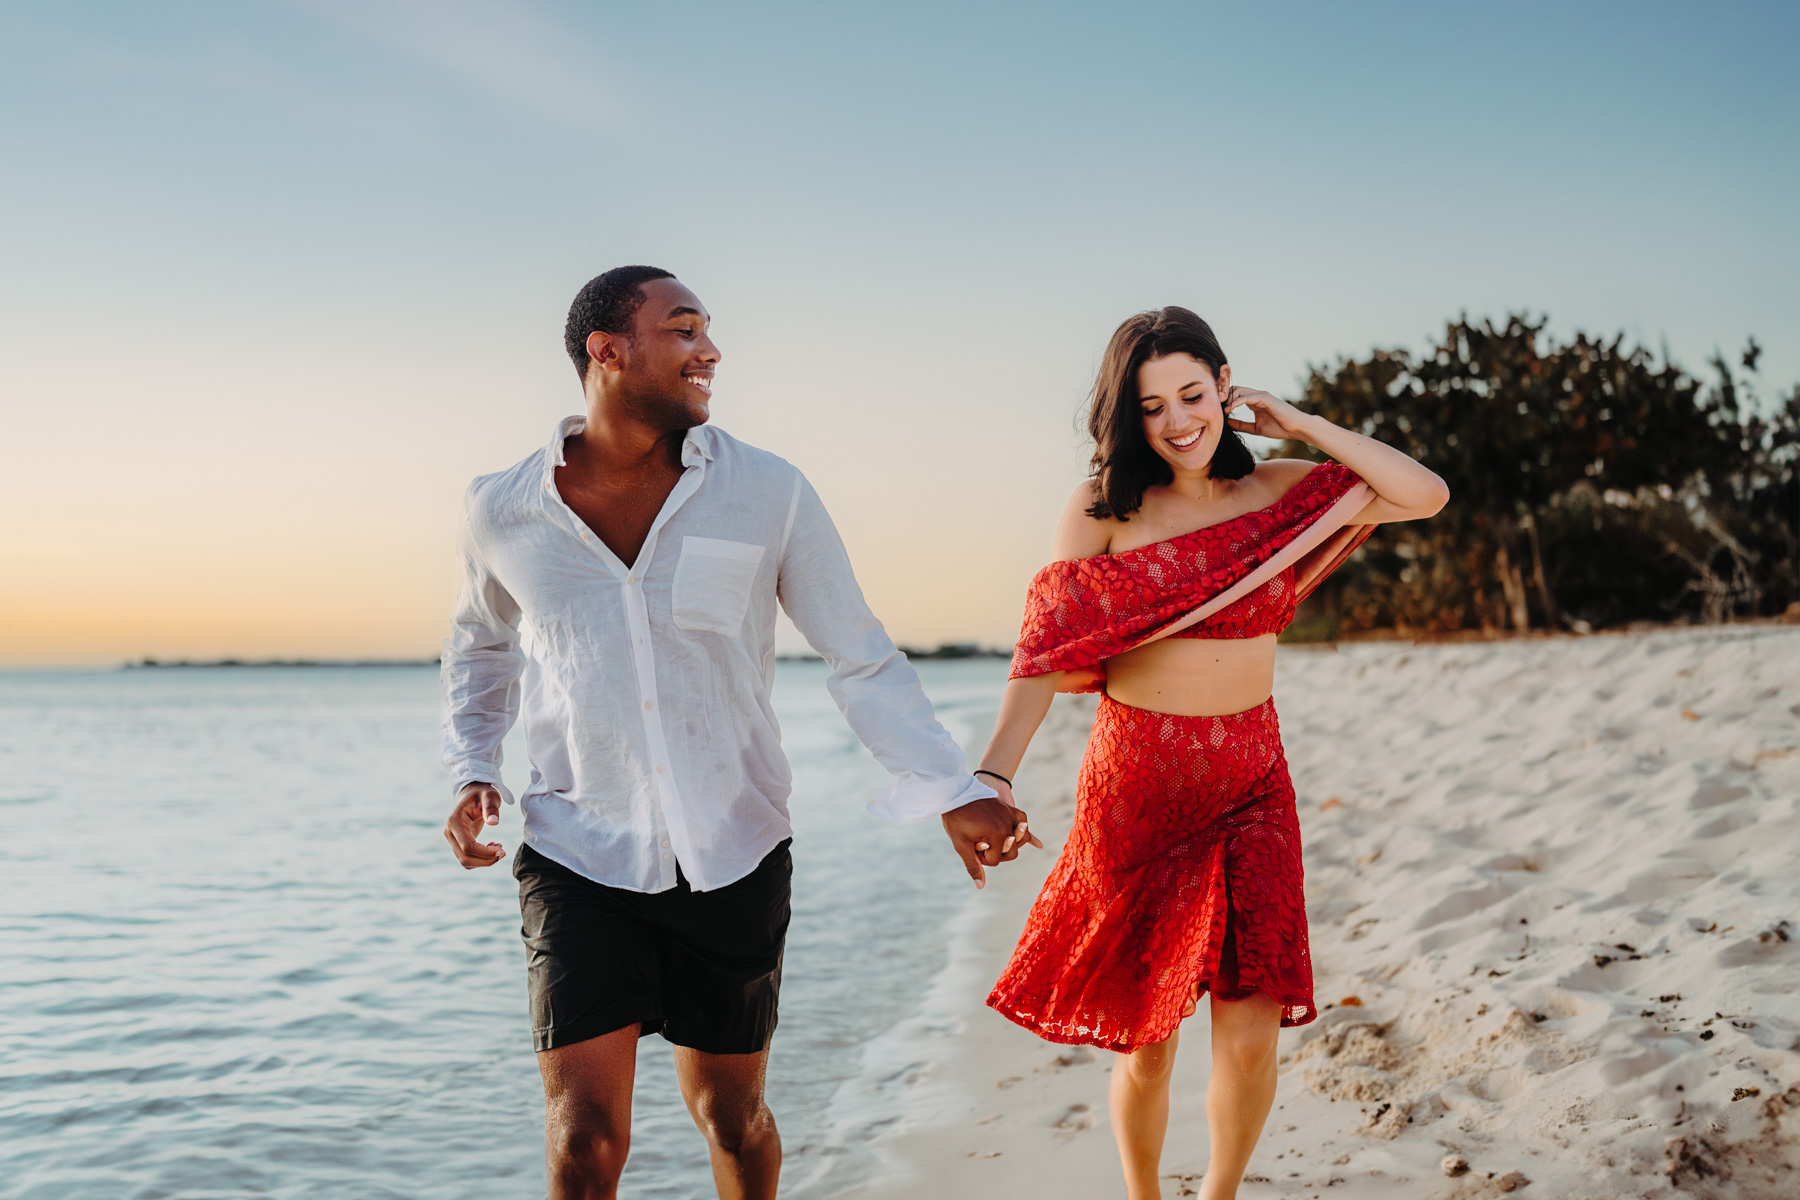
[(1592, 484)]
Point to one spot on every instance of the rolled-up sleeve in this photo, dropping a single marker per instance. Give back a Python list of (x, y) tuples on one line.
[(480, 672), (874, 686)]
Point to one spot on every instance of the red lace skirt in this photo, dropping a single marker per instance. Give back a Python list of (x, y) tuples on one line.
[(1183, 867)]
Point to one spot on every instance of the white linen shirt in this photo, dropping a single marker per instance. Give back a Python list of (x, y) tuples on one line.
[(645, 688)]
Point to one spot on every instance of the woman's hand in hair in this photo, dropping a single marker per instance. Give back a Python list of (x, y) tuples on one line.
[(1271, 416)]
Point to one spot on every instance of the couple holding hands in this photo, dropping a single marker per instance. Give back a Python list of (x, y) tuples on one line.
[(619, 589)]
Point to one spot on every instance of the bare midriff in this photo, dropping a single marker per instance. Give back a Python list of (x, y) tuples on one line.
[(1194, 677)]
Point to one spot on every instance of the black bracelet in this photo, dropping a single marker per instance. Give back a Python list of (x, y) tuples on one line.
[(995, 774)]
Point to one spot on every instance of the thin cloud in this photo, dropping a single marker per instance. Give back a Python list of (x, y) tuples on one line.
[(507, 49)]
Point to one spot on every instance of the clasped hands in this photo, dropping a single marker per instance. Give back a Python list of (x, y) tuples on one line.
[(989, 832)]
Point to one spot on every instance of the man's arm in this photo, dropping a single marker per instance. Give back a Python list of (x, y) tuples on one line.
[(879, 694), (480, 677)]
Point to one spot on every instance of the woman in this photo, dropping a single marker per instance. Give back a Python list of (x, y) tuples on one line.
[(1178, 563)]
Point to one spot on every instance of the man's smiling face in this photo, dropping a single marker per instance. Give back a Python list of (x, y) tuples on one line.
[(671, 358)]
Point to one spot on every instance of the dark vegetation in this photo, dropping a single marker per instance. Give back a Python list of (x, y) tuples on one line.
[(1591, 485), (954, 650)]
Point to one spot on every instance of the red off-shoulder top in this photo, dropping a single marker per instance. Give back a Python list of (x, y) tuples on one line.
[(1238, 578)]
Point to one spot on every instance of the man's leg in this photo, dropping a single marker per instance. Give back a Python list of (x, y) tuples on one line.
[(722, 995), (724, 1093), (595, 985), (587, 1114)]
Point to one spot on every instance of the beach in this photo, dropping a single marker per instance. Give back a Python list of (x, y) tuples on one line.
[(1556, 876), (1555, 931)]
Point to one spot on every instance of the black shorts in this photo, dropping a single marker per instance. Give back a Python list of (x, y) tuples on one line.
[(701, 968)]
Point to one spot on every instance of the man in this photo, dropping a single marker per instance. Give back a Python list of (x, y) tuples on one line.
[(620, 585)]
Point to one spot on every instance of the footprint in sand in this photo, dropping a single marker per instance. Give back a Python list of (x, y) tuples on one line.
[(1468, 902), (1771, 945), (1721, 826), (1074, 1057), (1713, 793), (1076, 1118)]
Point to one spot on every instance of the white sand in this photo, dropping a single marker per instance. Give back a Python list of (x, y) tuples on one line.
[(1561, 877)]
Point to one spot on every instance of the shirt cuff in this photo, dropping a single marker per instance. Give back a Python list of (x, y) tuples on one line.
[(914, 797), (480, 772)]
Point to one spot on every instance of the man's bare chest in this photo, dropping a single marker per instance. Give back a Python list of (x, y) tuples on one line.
[(621, 513)]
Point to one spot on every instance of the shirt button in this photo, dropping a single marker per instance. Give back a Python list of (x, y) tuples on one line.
[(631, 579), (665, 843), (659, 769), (665, 856), (584, 537), (648, 706)]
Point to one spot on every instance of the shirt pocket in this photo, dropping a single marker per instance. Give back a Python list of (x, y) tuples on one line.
[(713, 584)]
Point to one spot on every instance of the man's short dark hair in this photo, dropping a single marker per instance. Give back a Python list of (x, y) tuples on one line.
[(606, 304)]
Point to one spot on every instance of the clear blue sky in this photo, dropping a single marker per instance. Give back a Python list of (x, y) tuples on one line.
[(280, 277)]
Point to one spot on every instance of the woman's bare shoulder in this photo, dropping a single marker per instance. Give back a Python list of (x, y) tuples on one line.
[(1078, 533), (1279, 475)]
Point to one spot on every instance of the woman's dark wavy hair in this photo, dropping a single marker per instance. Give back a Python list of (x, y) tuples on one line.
[(1124, 465)]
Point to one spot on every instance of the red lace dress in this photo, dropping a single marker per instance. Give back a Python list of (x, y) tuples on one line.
[(1183, 866)]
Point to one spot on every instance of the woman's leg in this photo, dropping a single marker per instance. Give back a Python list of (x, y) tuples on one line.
[(1242, 1087), (1139, 1096)]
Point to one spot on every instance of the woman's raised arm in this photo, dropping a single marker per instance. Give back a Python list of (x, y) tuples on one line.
[(1405, 489)]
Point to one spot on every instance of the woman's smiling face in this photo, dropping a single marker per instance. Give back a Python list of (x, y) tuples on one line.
[(1183, 409)]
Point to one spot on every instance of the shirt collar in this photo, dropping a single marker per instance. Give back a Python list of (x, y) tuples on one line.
[(696, 447)]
